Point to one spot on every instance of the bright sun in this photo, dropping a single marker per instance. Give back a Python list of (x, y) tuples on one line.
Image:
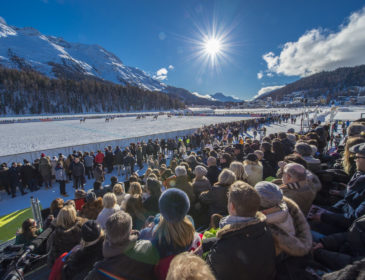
[(212, 46)]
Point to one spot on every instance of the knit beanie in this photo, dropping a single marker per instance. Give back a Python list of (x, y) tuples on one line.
[(174, 204), (90, 231), (270, 194), (200, 170)]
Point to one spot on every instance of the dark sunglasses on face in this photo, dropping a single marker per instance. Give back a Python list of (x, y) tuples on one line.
[(357, 157)]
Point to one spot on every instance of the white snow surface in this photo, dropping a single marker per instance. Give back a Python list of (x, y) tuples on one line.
[(37, 136)]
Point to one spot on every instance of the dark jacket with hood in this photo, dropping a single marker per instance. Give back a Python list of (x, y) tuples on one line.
[(216, 198), (243, 250)]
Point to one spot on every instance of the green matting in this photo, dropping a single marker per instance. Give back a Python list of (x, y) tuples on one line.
[(9, 224)]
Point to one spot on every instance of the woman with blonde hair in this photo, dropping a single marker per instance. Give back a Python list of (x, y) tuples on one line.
[(239, 170), (253, 169), (66, 235), (175, 232), (110, 207), (119, 192), (147, 174), (216, 197), (187, 266), (348, 161)]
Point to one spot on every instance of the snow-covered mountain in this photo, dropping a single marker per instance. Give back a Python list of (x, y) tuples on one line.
[(224, 98), (24, 48)]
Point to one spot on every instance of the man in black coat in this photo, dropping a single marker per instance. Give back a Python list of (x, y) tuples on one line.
[(14, 176), (4, 178), (78, 173), (28, 176), (213, 170), (244, 247)]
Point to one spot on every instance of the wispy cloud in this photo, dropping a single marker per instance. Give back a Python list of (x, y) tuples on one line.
[(260, 75), (319, 50), (171, 67), (2, 20), (266, 90), (161, 74)]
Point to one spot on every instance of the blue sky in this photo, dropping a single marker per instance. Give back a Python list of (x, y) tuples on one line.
[(267, 43)]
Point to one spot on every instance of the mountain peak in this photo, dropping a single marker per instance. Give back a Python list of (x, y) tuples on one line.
[(224, 98)]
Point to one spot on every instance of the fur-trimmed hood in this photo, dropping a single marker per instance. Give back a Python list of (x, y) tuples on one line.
[(229, 228), (298, 244)]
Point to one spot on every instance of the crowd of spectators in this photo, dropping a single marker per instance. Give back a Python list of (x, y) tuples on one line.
[(213, 205)]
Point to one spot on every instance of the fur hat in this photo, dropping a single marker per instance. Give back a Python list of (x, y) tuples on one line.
[(174, 204), (303, 149), (200, 170), (90, 197), (90, 231), (180, 170), (270, 194)]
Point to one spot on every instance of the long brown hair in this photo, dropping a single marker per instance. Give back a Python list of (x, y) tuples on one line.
[(347, 159), (29, 229), (179, 234)]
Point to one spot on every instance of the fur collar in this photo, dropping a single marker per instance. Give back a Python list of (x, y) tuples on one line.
[(239, 226), (294, 245)]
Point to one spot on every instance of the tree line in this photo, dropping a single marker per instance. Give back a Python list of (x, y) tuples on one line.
[(29, 92)]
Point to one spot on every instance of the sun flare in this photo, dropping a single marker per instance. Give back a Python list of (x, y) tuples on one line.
[(212, 46)]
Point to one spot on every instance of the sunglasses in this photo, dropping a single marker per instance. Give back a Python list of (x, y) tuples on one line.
[(356, 157)]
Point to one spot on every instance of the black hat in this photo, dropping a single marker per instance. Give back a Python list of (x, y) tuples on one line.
[(252, 157), (90, 231)]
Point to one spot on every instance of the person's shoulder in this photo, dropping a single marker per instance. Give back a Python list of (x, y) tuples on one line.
[(143, 251)]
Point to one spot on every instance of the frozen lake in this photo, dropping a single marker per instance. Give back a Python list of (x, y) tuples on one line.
[(36, 136)]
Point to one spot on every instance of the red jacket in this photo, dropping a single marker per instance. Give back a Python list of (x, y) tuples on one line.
[(99, 158)]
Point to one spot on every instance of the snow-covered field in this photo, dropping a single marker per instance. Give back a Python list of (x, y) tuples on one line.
[(37, 136)]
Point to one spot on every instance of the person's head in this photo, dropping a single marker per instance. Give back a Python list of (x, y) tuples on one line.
[(238, 169), (347, 159), (187, 266), (226, 177), (91, 233), (134, 205), (153, 187), (282, 135), (359, 151), (296, 159), (303, 149), (109, 200), (259, 154), (77, 160), (270, 194), (212, 161), (90, 197), (251, 158), (117, 229), (174, 226), (56, 206), (114, 180), (180, 171), (200, 171), (135, 189), (266, 147), (355, 129), (294, 172), (66, 218), (214, 220), (243, 200), (97, 185), (29, 228), (118, 189)]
